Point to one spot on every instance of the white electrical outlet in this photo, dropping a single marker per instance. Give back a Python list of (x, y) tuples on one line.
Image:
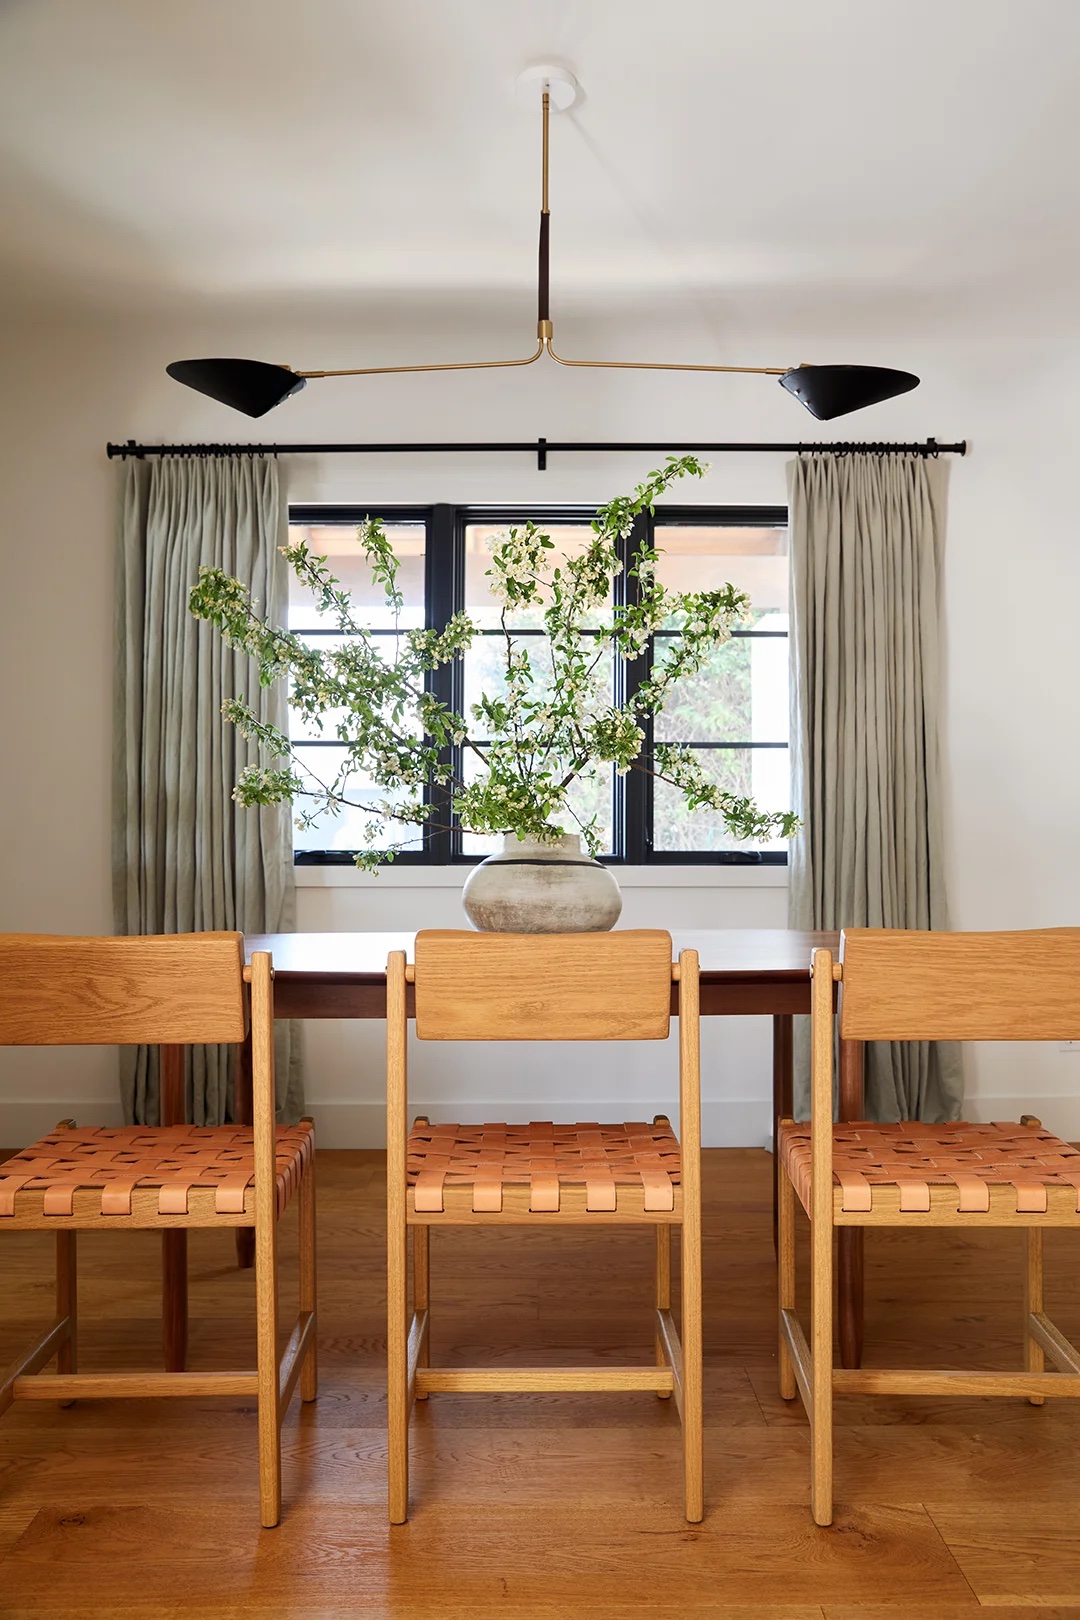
[(1069, 1046)]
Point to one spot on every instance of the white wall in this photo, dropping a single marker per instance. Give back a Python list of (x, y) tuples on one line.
[(1012, 580)]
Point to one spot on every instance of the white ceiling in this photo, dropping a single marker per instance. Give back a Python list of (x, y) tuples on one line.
[(221, 150)]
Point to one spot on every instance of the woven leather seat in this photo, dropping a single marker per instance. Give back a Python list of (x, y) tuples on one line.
[(175, 1159), (544, 1157), (914, 1157)]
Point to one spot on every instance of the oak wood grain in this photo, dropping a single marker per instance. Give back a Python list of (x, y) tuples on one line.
[(1015, 1554), (914, 985), (172, 989), (501, 1480), (440, 1609), (520, 1556), (542, 987)]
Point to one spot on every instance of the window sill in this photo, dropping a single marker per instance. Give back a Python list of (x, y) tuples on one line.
[(630, 877)]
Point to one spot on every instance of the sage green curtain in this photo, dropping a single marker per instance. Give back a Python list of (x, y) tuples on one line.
[(185, 857), (867, 534)]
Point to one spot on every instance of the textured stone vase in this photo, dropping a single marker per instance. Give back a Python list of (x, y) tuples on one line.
[(535, 888)]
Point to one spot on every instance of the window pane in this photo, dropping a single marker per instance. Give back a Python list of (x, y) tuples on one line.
[(695, 557), (740, 694), (570, 540), (760, 773), (485, 671), (592, 796), (350, 828), (338, 544)]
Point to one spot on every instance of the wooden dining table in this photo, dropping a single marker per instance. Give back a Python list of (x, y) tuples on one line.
[(745, 972)]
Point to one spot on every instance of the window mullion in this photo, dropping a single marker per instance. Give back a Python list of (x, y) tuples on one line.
[(633, 796), (442, 590)]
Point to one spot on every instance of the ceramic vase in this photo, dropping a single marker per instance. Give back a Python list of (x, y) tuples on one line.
[(541, 888)]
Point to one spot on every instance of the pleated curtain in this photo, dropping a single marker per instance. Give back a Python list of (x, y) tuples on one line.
[(185, 856), (867, 534)]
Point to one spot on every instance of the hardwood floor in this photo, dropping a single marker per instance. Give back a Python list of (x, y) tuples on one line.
[(542, 1507)]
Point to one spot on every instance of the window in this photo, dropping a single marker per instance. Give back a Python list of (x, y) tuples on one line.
[(735, 711)]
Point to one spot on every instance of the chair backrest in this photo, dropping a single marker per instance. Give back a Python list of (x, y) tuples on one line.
[(912, 985), (163, 990), (543, 987)]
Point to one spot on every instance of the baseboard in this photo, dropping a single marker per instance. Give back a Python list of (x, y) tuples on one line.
[(24, 1121), (727, 1123), (1058, 1114), (339, 1124)]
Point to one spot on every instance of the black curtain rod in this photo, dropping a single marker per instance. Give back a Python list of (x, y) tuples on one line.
[(539, 448)]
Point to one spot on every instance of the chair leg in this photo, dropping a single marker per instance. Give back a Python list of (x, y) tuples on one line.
[(397, 1377), (821, 1349), (266, 1338), (663, 1292), (67, 1302), (785, 1260), (309, 1373), (1034, 1356), (422, 1287), (692, 1414), (244, 1114)]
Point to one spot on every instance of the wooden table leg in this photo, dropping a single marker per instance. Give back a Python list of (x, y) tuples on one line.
[(782, 1093), (174, 1276), (850, 1239), (243, 1109), (174, 1299)]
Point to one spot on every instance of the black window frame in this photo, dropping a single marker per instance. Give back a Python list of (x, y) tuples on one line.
[(444, 595)]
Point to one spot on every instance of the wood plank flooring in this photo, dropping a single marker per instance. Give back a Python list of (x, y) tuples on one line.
[(532, 1507)]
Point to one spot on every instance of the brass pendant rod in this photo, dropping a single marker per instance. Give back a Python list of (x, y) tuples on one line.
[(545, 124), (543, 311), (543, 275)]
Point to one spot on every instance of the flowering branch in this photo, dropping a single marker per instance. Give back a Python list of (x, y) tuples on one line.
[(553, 725)]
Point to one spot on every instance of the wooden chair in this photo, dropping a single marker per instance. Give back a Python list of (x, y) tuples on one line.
[(570, 987), (176, 990), (913, 986)]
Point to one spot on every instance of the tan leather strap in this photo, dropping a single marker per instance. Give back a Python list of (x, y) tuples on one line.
[(173, 1158), (913, 1157), (544, 1157)]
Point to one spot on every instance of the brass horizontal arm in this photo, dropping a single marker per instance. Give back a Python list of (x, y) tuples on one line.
[(663, 365), (444, 365)]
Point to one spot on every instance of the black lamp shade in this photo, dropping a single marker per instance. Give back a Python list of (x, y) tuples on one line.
[(829, 391), (251, 386)]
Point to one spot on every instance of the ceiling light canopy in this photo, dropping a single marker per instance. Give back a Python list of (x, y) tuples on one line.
[(255, 387)]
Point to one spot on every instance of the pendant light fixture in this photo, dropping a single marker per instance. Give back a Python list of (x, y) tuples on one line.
[(255, 387)]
